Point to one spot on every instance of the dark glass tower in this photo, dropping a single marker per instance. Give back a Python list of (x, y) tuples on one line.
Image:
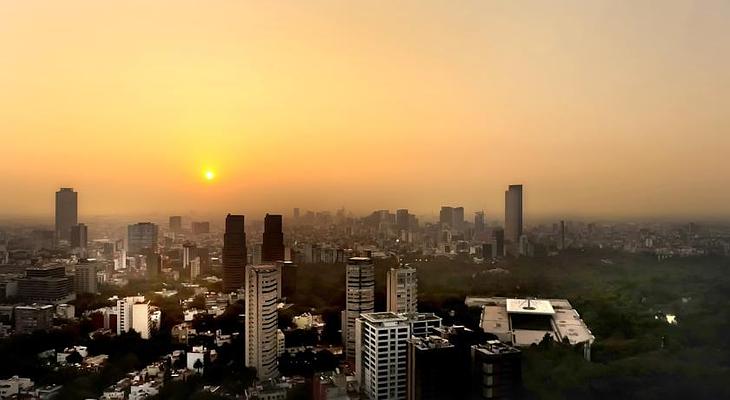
[(234, 253), (273, 248), (66, 213)]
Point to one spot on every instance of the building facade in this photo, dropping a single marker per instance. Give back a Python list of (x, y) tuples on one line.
[(360, 298), (140, 236), (402, 290), (66, 213), (234, 253), (262, 296), (272, 249), (513, 218)]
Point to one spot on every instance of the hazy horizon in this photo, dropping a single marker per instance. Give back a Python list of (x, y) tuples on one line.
[(610, 109)]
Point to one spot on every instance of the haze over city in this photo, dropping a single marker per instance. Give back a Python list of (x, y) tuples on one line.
[(600, 108)]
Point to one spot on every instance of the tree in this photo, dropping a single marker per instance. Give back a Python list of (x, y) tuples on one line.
[(74, 358), (198, 366)]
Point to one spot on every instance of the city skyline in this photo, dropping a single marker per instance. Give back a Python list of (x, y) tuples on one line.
[(600, 108)]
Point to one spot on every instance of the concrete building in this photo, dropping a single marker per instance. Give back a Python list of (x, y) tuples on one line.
[(46, 284), (200, 227), (262, 295), (433, 369), (133, 313), (496, 371), (234, 253), (329, 386), (523, 322), (85, 277), (380, 353), (513, 218), (66, 213), (381, 359), (360, 299), (402, 290), (31, 318), (142, 235)]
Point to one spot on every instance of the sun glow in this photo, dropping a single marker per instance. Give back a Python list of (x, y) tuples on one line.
[(209, 175)]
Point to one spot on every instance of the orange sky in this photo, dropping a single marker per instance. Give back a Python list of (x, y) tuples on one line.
[(603, 108)]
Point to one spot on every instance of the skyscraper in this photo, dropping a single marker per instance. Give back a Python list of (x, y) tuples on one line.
[(85, 277), (272, 249), (402, 290), (458, 221), (513, 218), (79, 236), (446, 216), (498, 241), (176, 224), (262, 295), (360, 298), (479, 224), (402, 219), (189, 254), (66, 213), (562, 235), (142, 235), (234, 253)]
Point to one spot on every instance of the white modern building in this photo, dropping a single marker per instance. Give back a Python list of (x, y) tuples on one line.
[(360, 293), (381, 351), (402, 290), (523, 322), (262, 296), (134, 313)]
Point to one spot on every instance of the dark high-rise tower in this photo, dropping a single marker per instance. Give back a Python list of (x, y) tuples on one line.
[(402, 219), (66, 213), (446, 216), (234, 254), (79, 236), (176, 224), (272, 249), (513, 218)]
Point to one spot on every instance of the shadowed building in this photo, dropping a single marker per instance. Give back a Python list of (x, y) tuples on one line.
[(234, 253), (142, 235), (79, 236), (513, 218), (272, 249), (66, 213)]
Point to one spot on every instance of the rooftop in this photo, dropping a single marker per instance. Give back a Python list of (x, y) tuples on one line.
[(529, 306), (495, 347), (383, 317)]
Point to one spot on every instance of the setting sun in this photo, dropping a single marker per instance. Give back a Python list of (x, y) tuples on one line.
[(209, 175)]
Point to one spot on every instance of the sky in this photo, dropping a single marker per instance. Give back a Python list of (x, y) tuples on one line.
[(600, 108)]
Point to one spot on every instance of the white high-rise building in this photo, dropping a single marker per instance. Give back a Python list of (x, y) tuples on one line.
[(402, 290), (381, 360), (194, 268), (360, 298), (262, 295), (381, 351), (134, 313)]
